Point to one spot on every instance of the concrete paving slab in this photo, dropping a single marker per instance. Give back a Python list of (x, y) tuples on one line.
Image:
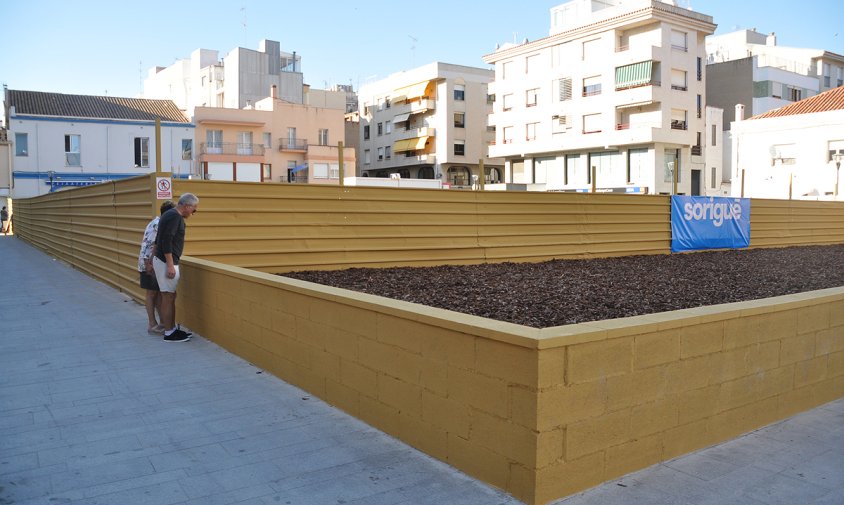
[(93, 410)]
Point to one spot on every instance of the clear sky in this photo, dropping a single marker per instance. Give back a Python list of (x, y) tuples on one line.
[(98, 47)]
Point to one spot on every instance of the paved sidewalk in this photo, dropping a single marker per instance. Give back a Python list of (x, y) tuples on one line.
[(95, 411)]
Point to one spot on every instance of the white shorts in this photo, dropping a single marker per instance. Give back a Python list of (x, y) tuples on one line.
[(165, 284)]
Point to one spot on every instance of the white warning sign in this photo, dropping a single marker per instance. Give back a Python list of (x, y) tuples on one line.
[(164, 188)]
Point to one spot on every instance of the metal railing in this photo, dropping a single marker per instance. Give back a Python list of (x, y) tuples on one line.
[(231, 148), (292, 144)]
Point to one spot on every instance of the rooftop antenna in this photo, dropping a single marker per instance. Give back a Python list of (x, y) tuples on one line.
[(140, 78), (413, 50)]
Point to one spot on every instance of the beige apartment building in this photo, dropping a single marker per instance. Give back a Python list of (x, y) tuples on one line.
[(275, 141), (616, 90), (428, 123)]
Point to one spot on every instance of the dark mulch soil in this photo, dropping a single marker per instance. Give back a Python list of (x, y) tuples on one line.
[(560, 292)]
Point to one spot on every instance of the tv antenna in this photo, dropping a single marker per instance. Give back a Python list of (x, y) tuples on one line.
[(243, 24), (413, 50)]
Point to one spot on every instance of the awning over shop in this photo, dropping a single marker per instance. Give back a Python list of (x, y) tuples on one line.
[(401, 117), (410, 92), (633, 75), (413, 144)]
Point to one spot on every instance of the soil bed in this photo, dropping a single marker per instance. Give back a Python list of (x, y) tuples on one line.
[(559, 292)]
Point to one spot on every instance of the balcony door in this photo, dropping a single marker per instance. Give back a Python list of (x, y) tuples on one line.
[(214, 141), (244, 143)]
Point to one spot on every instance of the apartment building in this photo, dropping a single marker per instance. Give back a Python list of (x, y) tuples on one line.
[(274, 141), (750, 69), (61, 140), (793, 152), (428, 123), (238, 80), (616, 90)]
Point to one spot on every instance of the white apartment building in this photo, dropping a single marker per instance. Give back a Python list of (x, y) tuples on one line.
[(61, 141), (428, 123), (238, 80), (616, 89), (795, 151)]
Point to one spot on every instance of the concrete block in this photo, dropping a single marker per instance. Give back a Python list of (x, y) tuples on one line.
[(484, 393), (697, 404), (813, 318), (479, 461), (342, 397), (687, 438), (835, 364), (631, 456), (435, 376), (563, 405), (552, 367), (656, 348), (358, 377), (689, 374), (810, 372), (404, 396), (563, 478), (513, 441), (455, 348), (799, 348), (653, 417), (594, 435), (325, 364), (511, 363), (597, 360), (399, 332), (449, 415), (700, 339), (391, 360)]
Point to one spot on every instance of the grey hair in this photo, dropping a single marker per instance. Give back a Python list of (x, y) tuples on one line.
[(188, 199)]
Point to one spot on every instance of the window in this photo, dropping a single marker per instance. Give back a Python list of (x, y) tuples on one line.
[(505, 69), (507, 102), (637, 165), (836, 147), (591, 50), (266, 172), (713, 181), (388, 151), (699, 106), (826, 75), (291, 136), (320, 170), (366, 132), (187, 149), (244, 143), (563, 88), (323, 136), (679, 40), (531, 97), (367, 157), (795, 94), (459, 92), (507, 135), (380, 129), (591, 123), (268, 140), (459, 147), (713, 135), (592, 85), (671, 160), (678, 79), (699, 68), (531, 63), (380, 153), (575, 172), (490, 99), (214, 141), (387, 102), (21, 144), (460, 120), (678, 119), (559, 124), (388, 127), (141, 151), (72, 150), (530, 131)]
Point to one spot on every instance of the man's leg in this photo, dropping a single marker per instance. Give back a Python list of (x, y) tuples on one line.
[(149, 303), (168, 310)]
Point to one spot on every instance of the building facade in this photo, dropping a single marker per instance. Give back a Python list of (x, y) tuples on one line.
[(238, 80), (795, 151), (428, 123), (274, 141), (63, 140), (617, 90)]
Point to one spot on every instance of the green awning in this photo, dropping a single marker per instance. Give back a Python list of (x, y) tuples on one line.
[(637, 74)]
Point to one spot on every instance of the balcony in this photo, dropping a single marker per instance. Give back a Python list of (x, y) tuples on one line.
[(678, 125), (231, 148), (299, 145), (697, 150), (422, 106)]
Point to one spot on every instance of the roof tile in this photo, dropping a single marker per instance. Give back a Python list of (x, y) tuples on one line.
[(89, 106), (824, 102)]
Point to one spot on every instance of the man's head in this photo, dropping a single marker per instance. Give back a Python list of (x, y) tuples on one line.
[(187, 204), (167, 205)]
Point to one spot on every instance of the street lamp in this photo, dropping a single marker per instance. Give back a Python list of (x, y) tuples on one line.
[(51, 174), (837, 157)]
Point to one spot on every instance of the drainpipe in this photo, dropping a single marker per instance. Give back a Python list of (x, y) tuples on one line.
[(157, 145)]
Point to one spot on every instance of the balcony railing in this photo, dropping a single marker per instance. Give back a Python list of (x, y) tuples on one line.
[(622, 126), (652, 82), (292, 144), (231, 148), (678, 125), (697, 150)]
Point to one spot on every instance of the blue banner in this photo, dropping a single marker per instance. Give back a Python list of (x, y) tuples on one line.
[(702, 222)]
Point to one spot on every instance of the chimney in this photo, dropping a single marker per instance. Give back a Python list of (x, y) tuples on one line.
[(274, 91), (739, 112), (771, 40)]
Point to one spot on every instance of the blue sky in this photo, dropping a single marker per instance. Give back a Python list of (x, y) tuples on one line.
[(104, 47)]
